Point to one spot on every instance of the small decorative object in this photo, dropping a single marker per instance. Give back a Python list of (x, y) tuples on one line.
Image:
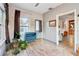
[(52, 23)]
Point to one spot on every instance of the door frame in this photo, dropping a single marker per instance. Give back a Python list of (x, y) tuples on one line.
[(57, 29)]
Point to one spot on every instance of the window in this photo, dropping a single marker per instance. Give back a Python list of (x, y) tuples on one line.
[(38, 25), (1, 23), (24, 26)]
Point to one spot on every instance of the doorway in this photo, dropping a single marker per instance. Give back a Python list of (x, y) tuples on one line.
[(66, 29)]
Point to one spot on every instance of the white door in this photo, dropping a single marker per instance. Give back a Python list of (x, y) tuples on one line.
[(57, 27)]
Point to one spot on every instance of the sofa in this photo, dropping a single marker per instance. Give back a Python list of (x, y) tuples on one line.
[(30, 36)]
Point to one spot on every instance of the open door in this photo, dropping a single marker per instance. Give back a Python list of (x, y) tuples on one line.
[(71, 30), (71, 33)]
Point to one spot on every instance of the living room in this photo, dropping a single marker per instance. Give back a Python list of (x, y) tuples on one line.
[(38, 26)]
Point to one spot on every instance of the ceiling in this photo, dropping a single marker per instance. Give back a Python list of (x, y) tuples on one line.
[(41, 8)]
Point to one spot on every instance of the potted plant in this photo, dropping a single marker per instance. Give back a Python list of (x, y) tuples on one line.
[(16, 36), (23, 44), (18, 45)]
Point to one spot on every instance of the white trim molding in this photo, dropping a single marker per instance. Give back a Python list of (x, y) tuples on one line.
[(57, 29)]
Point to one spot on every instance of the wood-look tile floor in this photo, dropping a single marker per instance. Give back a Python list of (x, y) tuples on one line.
[(42, 47)]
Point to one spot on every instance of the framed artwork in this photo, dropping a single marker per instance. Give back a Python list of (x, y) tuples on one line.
[(52, 23)]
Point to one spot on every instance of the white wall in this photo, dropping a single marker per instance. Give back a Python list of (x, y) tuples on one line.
[(50, 32), (24, 13)]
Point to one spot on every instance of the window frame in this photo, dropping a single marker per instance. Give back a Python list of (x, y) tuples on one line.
[(23, 26), (40, 26), (3, 37)]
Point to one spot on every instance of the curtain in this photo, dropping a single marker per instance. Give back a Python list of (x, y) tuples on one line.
[(6, 6), (17, 24)]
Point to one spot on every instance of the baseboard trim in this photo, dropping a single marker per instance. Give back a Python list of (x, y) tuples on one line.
[(50, 41)]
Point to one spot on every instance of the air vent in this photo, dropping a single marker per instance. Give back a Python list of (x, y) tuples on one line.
[(50, 9), (37, 4)]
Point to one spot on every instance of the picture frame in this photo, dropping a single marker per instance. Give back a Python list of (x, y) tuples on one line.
[(52, 23)]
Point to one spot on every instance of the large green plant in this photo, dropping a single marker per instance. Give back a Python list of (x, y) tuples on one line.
[(23, 44), (17, 35), (16, 38)]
